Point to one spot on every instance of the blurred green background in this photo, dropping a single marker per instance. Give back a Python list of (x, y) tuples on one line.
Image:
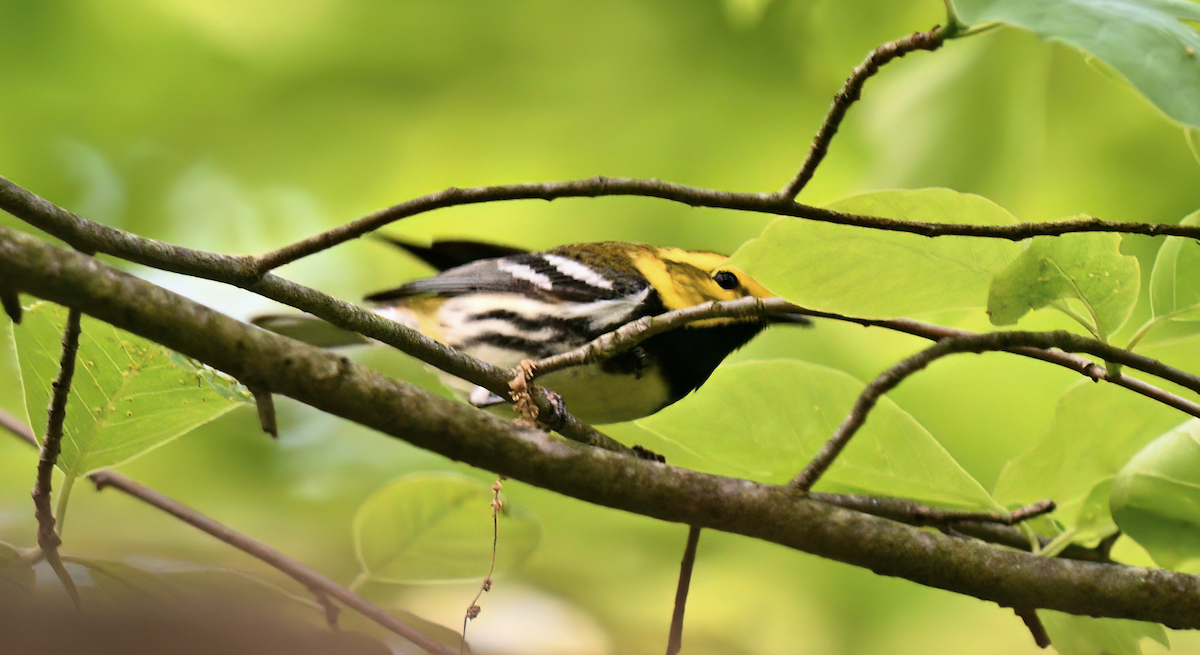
[(239, 126)]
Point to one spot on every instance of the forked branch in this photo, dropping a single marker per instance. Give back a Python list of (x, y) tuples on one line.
[(850, 94), (976, 343)]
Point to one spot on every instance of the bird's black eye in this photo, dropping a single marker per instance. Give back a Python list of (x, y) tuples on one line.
[(726, 280)]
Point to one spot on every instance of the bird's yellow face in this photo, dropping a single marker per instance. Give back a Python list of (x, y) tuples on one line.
[(685, 278)]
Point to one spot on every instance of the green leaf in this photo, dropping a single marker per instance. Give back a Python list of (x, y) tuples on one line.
[(1156, 496), (1175, 278), (128, 396), (17, 579), (1082, 635), (1144, 40), (436, 527), (876, 273), (1088, 268), (1093, 521), (1097, 428), (766, 420)]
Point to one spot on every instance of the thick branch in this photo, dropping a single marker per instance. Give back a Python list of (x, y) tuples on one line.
[(88, 235), (320, 585), (337, 385), (94, 237)]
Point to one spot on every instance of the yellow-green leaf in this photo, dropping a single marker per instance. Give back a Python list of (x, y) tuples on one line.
[(1096, 428), (1147, 41), (766, 419), (877, 273), (1156, 496), (1175, 279), (436, 527), (128, 396), (1087, 268)]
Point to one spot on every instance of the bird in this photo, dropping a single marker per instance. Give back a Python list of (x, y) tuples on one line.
[(504, 305)]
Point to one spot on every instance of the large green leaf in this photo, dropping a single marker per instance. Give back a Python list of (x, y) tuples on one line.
[(1175, 279), (1156, 496), (1096, 429), (438, 526), (1144, 40), (766, 419), (128, 396), (1083, 635), (1088, 268), (878, 273)]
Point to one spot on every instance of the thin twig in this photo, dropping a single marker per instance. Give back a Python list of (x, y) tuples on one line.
[(850, 93), (244, 271), (1081, 365), (996, 532), (767, 203), (11, 301), (237, 271), (914, 513), (675, 640), (290, 567), (240, 271), (328, 607), (631, 334), (265, 405), (47, 537), (1032, 621), (486, 585), (18, 428), (974, 343), (320, 586)]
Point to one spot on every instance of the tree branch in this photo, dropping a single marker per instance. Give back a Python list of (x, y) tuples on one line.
[(19, 429), (242, 271), (238, 271), (850, 93), (675, 636), (317, 583), (991, 531), (47, 537), (773, 513), (976, 343), (94, 237), (631, 334)]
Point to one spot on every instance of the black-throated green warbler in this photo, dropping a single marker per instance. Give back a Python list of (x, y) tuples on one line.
[(503, 305)]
